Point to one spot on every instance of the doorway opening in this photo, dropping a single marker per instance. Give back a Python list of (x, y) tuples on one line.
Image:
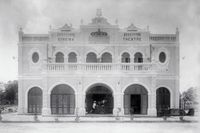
[(99, 100), (135, 99), (136, 103)]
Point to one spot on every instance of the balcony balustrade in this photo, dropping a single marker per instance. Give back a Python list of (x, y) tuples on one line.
[(100, 67)]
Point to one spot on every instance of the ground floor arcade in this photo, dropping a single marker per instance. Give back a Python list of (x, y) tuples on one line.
[(99, 98)]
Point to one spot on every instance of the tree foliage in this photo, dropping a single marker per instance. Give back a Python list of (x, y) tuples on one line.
[(189, 96), (9, 95)]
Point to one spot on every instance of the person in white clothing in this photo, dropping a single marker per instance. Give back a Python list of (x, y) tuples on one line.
[(93, 107)]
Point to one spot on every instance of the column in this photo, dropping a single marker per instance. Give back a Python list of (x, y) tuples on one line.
[(177, 94), (118, 101), (118, 104), (152, 104), (131, 59), (46, 103), (122, 102), (21, 95), (115, 99), (20, 98), (80, 100), (45, 99), (152, 99)]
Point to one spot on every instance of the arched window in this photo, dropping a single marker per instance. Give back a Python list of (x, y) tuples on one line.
[(91, 57), (162, 57), (162, 100), (125, 58), (35, 100), (138, 57), (59, 57), (35, 57), (72, 57), (62, 100), (106, 58)]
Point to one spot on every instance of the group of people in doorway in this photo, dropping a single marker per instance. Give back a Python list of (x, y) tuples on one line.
[(98, 107)]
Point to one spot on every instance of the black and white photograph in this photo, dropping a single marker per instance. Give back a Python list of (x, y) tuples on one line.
[(99, 66)]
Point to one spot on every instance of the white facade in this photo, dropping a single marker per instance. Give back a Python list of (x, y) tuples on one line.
[(131, 65)]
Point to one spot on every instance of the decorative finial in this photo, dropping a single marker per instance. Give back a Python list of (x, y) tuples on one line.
[(116, 21), (177, 29), (132, 24), (99, 12), (81, 21), (147, 27), (20, 28)]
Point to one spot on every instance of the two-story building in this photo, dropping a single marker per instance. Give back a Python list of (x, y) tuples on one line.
[(99, 68)]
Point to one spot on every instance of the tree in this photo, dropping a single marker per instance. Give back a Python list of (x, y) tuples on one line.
[(2, 97), (11, 91), (189, 98)]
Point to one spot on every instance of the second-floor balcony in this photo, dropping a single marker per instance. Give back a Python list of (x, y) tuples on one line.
[(102, 64), (100, 67)]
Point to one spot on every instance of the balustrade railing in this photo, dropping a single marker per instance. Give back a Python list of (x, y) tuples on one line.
[(139, 67)]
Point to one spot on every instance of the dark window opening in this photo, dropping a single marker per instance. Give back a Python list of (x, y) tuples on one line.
[(125, 58), (91, 58), (138, 58), (59, 57), (72, 58), (162, 57), (35, 57)]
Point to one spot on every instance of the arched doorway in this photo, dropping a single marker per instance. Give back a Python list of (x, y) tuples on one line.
[(162, 100), (99, 100), (135, 99), (35, 100), (62, 100)]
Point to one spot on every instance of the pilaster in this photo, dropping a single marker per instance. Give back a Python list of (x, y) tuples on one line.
[(80, 100), (46, 98), (20, 98), (152, 98), (118, 98)]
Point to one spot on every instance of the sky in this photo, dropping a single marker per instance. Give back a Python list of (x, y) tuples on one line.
[(162, 16)]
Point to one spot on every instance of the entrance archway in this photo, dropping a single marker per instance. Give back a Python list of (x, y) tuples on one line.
[(62, 100), (35, 100), (162, 100), (99, 100), (135, 100)]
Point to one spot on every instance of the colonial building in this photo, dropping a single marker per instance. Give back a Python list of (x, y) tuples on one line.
[(98, 68)]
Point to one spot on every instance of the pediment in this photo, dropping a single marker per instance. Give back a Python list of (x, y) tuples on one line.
[(132, 27), (66, 27)]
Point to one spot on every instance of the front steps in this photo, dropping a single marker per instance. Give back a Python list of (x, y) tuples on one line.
[(13, 117)]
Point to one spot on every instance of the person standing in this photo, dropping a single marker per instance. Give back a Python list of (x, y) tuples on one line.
[(93, 107)]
